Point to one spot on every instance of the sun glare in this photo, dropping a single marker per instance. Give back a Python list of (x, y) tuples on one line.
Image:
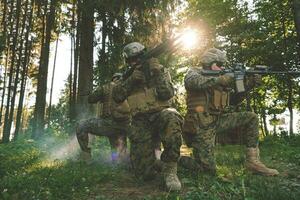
[(189, 39)]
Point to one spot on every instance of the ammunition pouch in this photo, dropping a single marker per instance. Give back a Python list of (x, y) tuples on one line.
[(145, 101), (212, 101), (220, 99)]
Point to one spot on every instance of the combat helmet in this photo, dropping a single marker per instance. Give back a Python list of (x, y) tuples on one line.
[(213, 55), (133, 49)]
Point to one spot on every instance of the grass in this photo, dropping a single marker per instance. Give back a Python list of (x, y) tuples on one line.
[(38, 170)]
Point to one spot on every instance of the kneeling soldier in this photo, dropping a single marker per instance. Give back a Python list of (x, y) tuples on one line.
[(114, 122), (207, 102), (153, 120)]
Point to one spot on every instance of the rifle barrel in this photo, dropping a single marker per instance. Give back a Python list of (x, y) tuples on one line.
[(272, 72), (250, 72)]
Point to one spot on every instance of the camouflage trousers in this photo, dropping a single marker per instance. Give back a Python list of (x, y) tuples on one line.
[(115, 131), (147, 134), (200, 130)]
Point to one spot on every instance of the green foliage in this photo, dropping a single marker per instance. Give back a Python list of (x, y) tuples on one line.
[(27, 172), (124, 22), (17, 157), (60, 123), (262, 33)]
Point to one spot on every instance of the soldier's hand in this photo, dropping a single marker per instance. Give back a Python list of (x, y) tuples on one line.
[(254, 80), (257, 79), (225, 80), (154, 65), (137, 76)]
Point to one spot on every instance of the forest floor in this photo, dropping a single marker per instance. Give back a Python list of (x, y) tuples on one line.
[(48, 169)]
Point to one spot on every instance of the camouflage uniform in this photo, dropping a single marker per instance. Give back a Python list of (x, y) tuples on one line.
[(153, 121), (113, 123), (202, 122), (208, 102)]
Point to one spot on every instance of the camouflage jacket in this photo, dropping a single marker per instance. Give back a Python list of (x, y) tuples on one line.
[(199, 84), (160, 84)]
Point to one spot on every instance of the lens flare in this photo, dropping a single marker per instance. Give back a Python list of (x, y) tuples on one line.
[(189, 39)]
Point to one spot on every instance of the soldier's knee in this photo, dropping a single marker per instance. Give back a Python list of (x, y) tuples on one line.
[(80, 127), (171, 114)]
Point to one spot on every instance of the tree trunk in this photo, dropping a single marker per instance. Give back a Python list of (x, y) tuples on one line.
[(25, 63), (290, 105), (85, 79), (72, 74), (52, 81), (70, 81), (289, 78), (262, 126), (18, 67), (23, 86), (6, 132), (296, 11), (103, 39), (275, 125), (4, 84), (39, 114), (76, 56), (264, 118)]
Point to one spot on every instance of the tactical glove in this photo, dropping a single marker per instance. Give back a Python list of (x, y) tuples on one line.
[(257, 79), (225, 80), (154, 65), (137, 77), (254, 80)]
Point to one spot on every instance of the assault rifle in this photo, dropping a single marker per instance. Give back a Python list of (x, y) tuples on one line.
[(167, 46), (239, 71)]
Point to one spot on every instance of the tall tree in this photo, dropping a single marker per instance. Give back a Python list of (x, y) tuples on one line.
[(76, 41), (73, 87), (85, 78), (40, 106), (4, 83), (296, 11), (52, 80), (15, 31), (21, 56)]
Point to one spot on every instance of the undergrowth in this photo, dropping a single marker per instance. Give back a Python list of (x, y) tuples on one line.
[(36, 170)]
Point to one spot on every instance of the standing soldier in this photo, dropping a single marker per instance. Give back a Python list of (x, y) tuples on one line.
[(153, 121), (207, 103), (113, 123)]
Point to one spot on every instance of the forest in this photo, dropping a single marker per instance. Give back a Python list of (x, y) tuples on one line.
[(38, 146)]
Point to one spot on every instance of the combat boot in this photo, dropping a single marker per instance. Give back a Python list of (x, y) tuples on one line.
[(253, 163), (171, 180)]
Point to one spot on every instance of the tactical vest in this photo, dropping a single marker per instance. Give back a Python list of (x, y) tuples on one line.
[(118, 111), (212, 101), (144, 100)]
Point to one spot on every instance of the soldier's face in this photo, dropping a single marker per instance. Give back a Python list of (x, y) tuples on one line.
[(215, 67), (132, 62)]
